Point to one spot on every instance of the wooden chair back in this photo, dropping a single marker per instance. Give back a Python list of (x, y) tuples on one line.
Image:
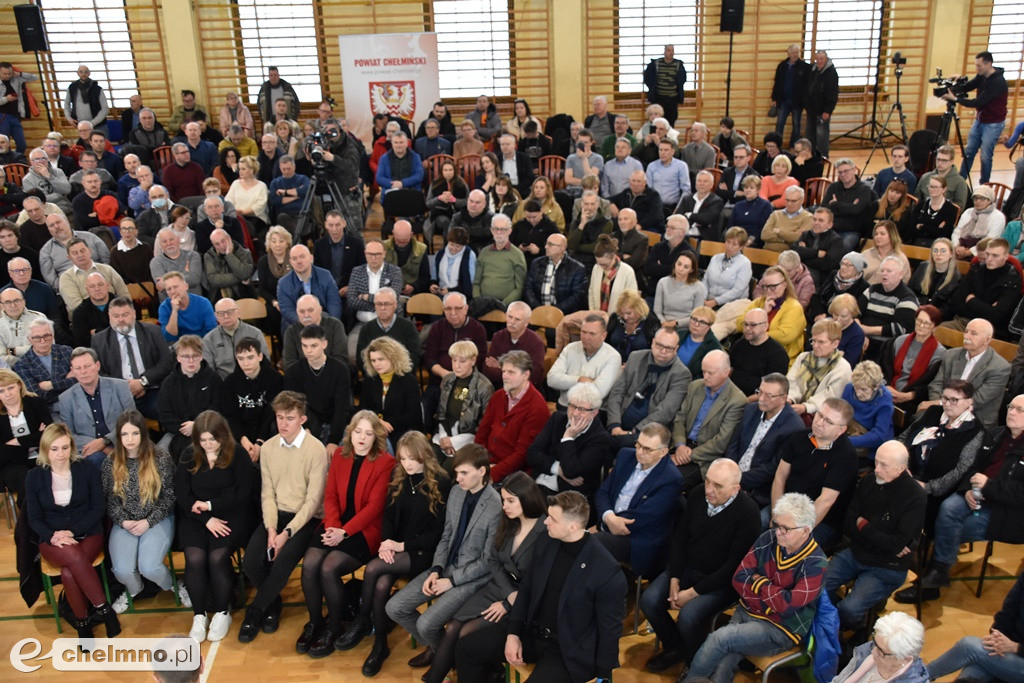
[(15, 173), (948, 337), (434, 164), (424, 304), (815, 189), (552, 167), (163, 156), (469, 167)]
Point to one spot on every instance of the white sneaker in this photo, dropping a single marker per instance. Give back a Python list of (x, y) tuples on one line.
[(186, 601), (121, 604), (198, 630), (219, 626)]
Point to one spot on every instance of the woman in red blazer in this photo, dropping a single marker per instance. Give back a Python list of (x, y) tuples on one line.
[(357, 486)]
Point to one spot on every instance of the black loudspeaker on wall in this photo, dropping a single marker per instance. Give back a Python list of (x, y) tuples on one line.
[(732, 16), (30, 28)]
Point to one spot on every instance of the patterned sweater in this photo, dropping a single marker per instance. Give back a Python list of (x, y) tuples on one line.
[(780, 589), (131, 507)]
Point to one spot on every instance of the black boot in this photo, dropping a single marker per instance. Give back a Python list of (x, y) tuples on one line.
[(377, 656), (936, 577), (109, 618), (356, 631), (250, 624), (84, 628)]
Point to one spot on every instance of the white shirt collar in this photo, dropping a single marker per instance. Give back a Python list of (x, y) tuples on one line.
[(294, 444)]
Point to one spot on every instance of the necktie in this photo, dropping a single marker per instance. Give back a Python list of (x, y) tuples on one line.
[(130, 349)]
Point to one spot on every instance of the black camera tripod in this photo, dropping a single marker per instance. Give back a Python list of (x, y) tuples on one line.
[(321, 183), (897, 106)]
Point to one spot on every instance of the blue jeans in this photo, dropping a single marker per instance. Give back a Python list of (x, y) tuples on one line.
[(11, 127), (956, 523), (983, 136), (785, 109), (974, 663), (744, 636), (871, 586), (694, 618), (133, 555)]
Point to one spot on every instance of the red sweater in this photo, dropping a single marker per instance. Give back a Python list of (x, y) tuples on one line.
[(507, 434), (183, 181), (371, 496)]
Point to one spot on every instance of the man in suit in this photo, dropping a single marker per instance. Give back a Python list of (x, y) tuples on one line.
[(988, 373), (729, 188), (92, 407), (150, 360), (637, 501), (46, 367), (706, 419), (460, 560), (556, 279), (573, 446), (567, 617), (650, 388), (516, 165), (305, 278), (703, 208), (338, 252), (763, 426)]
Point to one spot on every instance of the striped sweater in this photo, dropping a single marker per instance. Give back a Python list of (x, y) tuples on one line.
[(781, 589)]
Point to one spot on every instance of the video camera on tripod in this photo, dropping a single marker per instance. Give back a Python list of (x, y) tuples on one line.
[(945, 85), (317, 141)]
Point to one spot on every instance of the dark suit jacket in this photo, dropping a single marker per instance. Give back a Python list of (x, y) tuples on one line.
[(204, 229), (653, 507), (581, 457), (570, 284), (524, 170), (650, 214), (352, 256), (757, 481), (729, 178), (36, 413), (83, 516), (589, 606), (156, 355), (708, 220)]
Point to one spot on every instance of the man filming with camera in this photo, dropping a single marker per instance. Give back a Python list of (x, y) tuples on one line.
[(339, 157), (991, 117)]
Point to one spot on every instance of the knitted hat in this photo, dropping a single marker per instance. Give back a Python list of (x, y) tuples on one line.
[(984, 191), (856, 260)]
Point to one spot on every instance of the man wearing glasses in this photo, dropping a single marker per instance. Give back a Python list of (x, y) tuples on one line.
[(650, 389), (821, 248), (46, 367), (756, 354), (755, 444), (956, 187), (706, 419), (821, 464), (635, 503), (500, 266), (219, 343), (15, 320)]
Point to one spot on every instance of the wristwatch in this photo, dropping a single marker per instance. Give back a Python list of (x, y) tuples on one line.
[(144, 380)]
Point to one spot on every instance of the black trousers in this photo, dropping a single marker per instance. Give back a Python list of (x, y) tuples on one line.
[(671, 107), (479, 654), (271, 577)]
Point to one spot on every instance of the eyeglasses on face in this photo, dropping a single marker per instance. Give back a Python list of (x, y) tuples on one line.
[(952, 400), (832, 423), (779, 528), (646, 450), (758, 392), (579, 409)]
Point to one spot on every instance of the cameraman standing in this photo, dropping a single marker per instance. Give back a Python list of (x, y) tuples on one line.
[(991, 106), (343, 159)]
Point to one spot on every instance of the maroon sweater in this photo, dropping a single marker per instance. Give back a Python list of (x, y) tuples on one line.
[(506, 434)]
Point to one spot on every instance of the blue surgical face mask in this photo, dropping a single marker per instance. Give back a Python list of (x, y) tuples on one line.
[(159, 203)]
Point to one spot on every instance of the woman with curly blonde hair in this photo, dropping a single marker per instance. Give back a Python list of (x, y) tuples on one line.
[(354, 500), (138, 479), (390, 388), (412, 526)]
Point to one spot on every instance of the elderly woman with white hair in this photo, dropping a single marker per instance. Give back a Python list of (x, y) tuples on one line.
[(872, 408), (892, 654), (779, 583)]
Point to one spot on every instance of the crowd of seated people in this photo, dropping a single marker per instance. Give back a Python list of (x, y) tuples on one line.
[(695, 420)]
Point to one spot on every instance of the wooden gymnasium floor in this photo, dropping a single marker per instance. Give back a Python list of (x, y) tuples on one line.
[(271, 658)]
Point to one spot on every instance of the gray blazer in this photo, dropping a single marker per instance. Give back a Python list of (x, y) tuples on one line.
[(480, 392), (471, 565), (116, 398), (669, 391), (721, 421), (989, 378)]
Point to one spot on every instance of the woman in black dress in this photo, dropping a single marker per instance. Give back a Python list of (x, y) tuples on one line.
[(27, 416), (390, 388), (412, 526), (518, 531), (213, 487)]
